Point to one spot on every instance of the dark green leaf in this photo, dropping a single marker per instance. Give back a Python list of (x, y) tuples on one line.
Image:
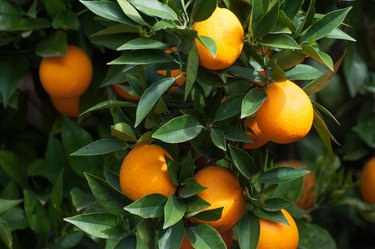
[(245, 72), (8, 204), (303, 72), (5, 234), (128, 242), (54, 7), (173, 170), (203, 9), (154, 8), (291, 7), (243, 161), (124, 132), (54, 159), (187, 168), (142, 57), (340, 35), (275, 216), (209, 43), (81, 200), (150, 97), (323, 131), (107, 196), (355, 70), (318, 55), (210, 214), (289, 191), (229, 108), (308, 20), (203, 236), (248, 231), (281, 175), (101, 225), (56, 196), (191, 70), (131, 12), (108, 104), (100, 147), (325, 111), (15, 218), (280, 41), (234, 133), (58, 39), (313, 236), (190, 188), (256, 11), (149, 206), (13, 166), (163, 24), (142, 43), (195, 204), (171, 237), (252, 101), (267, 22), (174, 211), (66, 20), (275, 204), (218, 138)]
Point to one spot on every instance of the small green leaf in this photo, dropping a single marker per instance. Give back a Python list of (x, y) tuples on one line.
[(218, 138), (187, 168), (203, 9), (318, 55), (58, 39), (191, 70), (229, 108), (338, 34), (8, 204), (291, 7), (281, 175), (154, 8), (100, 147), (190, 187), (108, 104), (267, 22), (142, 57), (325, 111), (303, 72), (235, 134), (5, 233), (174, 211), (355, 70), (67, 20), (174, 168), (163, 24), (210, 215), (131, 12), (171, 237), (124, 132), (289, 191), (248, 231), (179, 129), (101, 225), (243, 161), (149, 206), (13, 166), (314, 236), (275, 204), (150, 97), (142, 43), (245, 73), (275, 216), (195, 204), (209, 43), (252, 101), (307, 20), (280, 41), (203, 236), (323, 131)]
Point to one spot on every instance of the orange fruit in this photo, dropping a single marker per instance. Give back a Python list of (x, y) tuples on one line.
[(257, 136), (223, 190), (307, 197), (125, 94), (226, 236), (226, 30), (287, 114), (144, 171), (275, 235), (66, 76), (174, 72), (367, 185), (66, 106)]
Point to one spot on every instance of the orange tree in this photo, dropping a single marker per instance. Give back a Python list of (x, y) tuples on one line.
[(173, 164)]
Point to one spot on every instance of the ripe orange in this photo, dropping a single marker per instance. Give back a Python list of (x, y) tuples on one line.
[(174, 72), (226, 236), (223, 190), (307, 197), (66, 76), (125, 94), (144, 171), (226, 30), (257, 136), (66, 106), (367, 185), (275, 235), (287, 114)]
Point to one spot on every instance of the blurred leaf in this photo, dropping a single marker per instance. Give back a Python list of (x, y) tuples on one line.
[(275, 204), (174, 211), (100, 147), (142, 57), (313, 237), (243, 161), (54, 7), (275, 216), (267, 22), (150, 97), (189, 188), (66, 20), (179, 129), (339, 34), (209, 43), (69, 240), (191, 70), (218, 138), (56, 196), (365, 130), (81, 200), (116, 29), (143, 43), (131, 12), (323, 131), (203, 9), (203, 236), (155, 8), (5, 234), (15, 218), (355, 70), (171, 237), (54, 158), (108, 197), (59, 41), (252, 101), (109, 10), (13, 166), (101, 225), (248, 231), (256, 11), (280, 41), (325, 25), (318, 55), (303, 72), (281, 175), (123, 131), (108, 104), (8, 204), (149, 206), (229, 108)]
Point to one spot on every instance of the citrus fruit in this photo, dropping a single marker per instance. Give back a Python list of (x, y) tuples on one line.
[(66, 106), (222, 190), (287, 114), (307, 197), (275, 235), (367, 185), (226, 30), (66, 76), (256, 135), (226, 236), (144, 171), (124, 94), (173, 72)]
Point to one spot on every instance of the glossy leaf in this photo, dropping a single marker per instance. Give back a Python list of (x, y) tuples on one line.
[(195, 204), (281, 175), (131, 12), (100, 147), (275, 204), (218, 138), (171, 237), (154, 8), (202, 9), (189, 188), (303, 72), (229, 108), (291, 7), (142, 57), (108, 104), (124, 132), (243, 161), (174, 211), (209, 43), (280, 41), (248, 231), (235, 134), (267, 22), (318, 55), (187, 168), (191, 70), (149, 206), (252, 101), (210, 214), (204, 236), (275, 216), (143, 43), (340, 35)]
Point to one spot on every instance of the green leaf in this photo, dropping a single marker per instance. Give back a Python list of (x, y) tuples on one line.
[(58, 39), (36, 215), (248, 231), (109, 10), (5, 234), (163, 24), (56, 196), (131, 12), (314, 236), (267, 22), (150, 97), (195, 204), (229, 108), (13, 166), (325, 25), (128, 242), (174, 211), (291, 7), (303, 72), (101, 225), (189, 188), (280, 41), (173, 170), (308, 19), (338, 34), (107, 196), (325, 111), (355, 70), (54, 7), (203, 236), (275, 216), (287, 59), (187, 168), (281, 175), (235, 134), (154, 8), (142, 57), (210, 214), (203, 9), (323, 131), (108, 104), (252, 101), (149, 206), (209, 43), (171, 237), (179, 129), (8, 204), (275, 204), (243, 161), (81, 200), (218, 138), (256, 11), (100, 147), (245, 73), (191, 70), (142, 43), (318, 55), (289, 191), (54, 159), (124, 132), (66, 20)]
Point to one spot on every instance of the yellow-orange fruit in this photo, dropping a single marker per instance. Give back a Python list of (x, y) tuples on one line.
[(125, 94), (67, 106), (367, 185)]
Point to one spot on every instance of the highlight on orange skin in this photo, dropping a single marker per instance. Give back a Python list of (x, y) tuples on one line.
[(226, 236), (67, 106), (125, 94), (256, 135)]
